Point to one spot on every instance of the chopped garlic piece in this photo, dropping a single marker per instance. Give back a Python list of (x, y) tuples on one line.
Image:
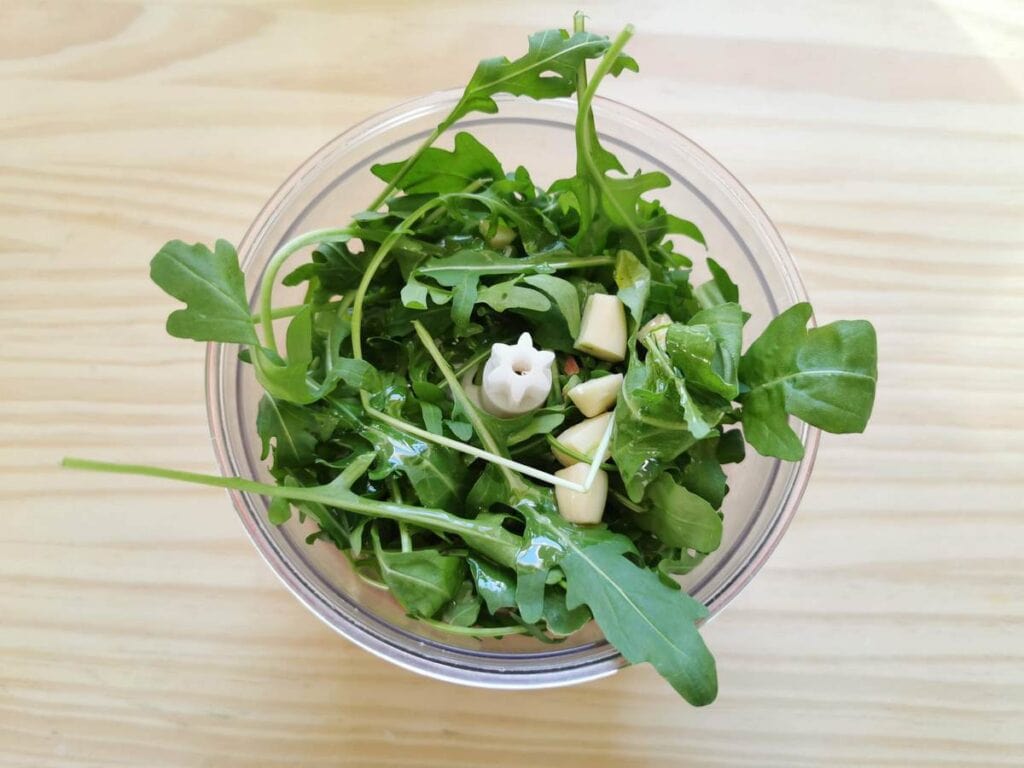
[(582, 508), (603, 328), (517, 378), (584, 439), (503, 235), (596, 395), (657, 328)]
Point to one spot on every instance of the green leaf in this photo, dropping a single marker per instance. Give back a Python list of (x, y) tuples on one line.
[(423, 580), (439, 171), (432, 418), (288, 379), (825, 376), (645, 619), (292, 429), (720, 289), (464, 298), (560, 620), (437, 474), (279, 511), (506, 296), (547, 71), (650, 427), (496, 585), (565, 296), (707, 349), (634, 282), (703, 471), (680, 518), (213, 288), (464, 609)]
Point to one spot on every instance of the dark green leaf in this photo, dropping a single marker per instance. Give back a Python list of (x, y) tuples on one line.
[(565, 296), (213, 288), (464, 609), (634, 282), (292, 429), (440, 171), (559, 619), (496, 585), (720, 289), (825, 377), (423, 580), (680, 518), (548, 70), (643, 618), (437, 473), (707, 349)]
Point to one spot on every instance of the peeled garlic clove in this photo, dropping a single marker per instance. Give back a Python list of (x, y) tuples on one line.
[(596, 395), (582, 508), (584, 439), (657, 328), (603, 328), (517, 378), (503, 235)]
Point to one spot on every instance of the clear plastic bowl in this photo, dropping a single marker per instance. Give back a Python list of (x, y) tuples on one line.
[(336, 182)]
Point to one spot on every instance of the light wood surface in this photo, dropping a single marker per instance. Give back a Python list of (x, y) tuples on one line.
[(138, 626)]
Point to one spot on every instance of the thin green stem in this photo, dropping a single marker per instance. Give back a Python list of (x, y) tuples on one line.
[(274, 266), (627, 503), (371, 271), (574, 454), (475, 631), (331, 495), (457, 391), (404, 169), (294, 309)]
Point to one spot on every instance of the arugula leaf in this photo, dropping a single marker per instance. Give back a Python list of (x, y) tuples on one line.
[(213, 288), (559, 619), (703, 473), (720, 289), (546, 71), (464, 608), (287, 379), (565, 296), (825, 376), (293, 430), (439, 171), (422, 580), (707, 349), (645, 619), (437, 474), (634, 282), (680, 518), (496, 585), (650, 427), (502, 297)]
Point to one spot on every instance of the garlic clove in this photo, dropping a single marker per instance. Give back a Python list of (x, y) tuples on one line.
[(517, 378), (656, 328), (603, 328), (503, 235), (583, 438), (582, 508), (596, 395)]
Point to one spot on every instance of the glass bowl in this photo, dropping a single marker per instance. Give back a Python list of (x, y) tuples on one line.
[(336, 182)]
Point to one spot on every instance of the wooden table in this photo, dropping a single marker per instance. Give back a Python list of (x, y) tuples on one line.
[(137, 625)]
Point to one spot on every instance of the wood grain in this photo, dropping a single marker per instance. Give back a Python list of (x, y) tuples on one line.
[(138, 627)]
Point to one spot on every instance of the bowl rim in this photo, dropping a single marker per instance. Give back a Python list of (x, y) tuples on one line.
[(588, 670)]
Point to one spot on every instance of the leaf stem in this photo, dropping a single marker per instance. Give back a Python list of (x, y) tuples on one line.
[(397, 178), (503, 551), (274, 266), (475, 631)]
